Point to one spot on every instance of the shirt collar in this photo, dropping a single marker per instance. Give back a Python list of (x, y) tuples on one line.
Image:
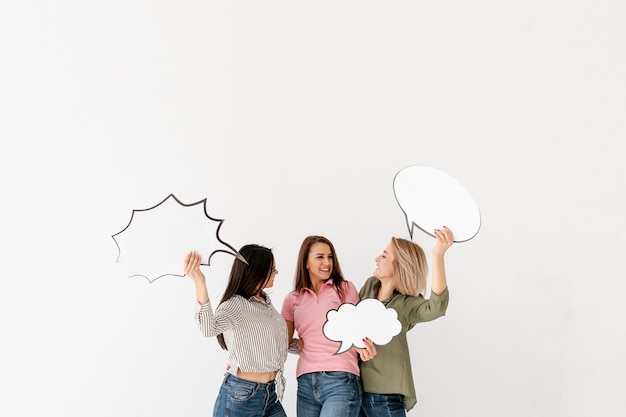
[(267, 301), (329, 281)]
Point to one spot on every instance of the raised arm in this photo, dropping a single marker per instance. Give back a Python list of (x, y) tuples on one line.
[(192, 270), (227, 315), (444, 241)]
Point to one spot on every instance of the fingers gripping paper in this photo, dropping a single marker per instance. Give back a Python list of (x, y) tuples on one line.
[(431, 199)]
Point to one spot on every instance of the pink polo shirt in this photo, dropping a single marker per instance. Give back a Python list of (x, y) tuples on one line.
[(307, 311)]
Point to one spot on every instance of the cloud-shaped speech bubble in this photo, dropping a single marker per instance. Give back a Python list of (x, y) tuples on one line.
[(157, 239), (350, 324), (431, 199)]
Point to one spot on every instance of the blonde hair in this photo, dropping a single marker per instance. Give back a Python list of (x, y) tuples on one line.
[(410, 267)]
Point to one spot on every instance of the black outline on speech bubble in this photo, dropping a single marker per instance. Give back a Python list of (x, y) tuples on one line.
[(234, 252), (412, 225), (356, 306), (332, 340)]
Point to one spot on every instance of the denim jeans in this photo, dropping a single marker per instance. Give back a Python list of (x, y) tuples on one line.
[(382, 405), (329, 394), (241, 398)]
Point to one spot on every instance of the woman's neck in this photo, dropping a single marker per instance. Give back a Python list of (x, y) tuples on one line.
[(316, 286), (385, 290)]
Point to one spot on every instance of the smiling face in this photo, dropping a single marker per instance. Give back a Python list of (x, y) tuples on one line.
[(384, 264), (319, 262)]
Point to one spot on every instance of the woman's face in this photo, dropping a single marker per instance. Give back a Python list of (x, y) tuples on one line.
[(270, 277), (384, 264), (319, 262)]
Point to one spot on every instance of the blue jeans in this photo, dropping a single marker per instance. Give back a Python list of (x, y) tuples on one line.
[(329, 394), (241, 398), (382, 405)]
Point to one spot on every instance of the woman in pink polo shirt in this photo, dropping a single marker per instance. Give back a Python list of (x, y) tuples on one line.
[(329, 384)]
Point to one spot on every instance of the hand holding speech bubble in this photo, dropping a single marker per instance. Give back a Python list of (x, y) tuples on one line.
[(431, 199), (350, 324), (157, 239)]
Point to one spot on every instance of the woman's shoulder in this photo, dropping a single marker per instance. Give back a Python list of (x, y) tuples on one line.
[(236, 298), (370, 282), (291, 297), (348, 285), (235, 301), (293, 294), (349, 293)]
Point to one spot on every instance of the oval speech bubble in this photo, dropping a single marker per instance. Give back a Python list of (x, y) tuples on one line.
[(431, 199)]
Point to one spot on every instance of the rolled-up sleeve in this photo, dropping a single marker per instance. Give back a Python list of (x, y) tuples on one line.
[(225, 318), (424, 310)]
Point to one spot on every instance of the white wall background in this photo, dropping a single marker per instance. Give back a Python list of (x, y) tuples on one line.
[(292, 117)]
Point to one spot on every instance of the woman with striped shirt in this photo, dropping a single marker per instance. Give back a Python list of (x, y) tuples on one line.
[(249, 327)]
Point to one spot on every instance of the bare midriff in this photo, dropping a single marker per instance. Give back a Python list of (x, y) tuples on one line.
[(261, 377)]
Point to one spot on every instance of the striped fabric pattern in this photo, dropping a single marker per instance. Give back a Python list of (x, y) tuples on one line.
[(254, 332)]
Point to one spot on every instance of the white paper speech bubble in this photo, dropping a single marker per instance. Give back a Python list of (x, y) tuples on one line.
[(350, 324), (156, 240), (431, 199)]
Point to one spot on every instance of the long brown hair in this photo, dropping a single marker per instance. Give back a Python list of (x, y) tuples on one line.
[(302, 278), (247, 280)]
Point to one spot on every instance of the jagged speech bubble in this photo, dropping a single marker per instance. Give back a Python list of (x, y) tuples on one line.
[(157, 239), (431, 199), (350, 324)]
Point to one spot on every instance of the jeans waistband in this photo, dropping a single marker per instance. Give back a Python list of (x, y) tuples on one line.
[(232, 377)]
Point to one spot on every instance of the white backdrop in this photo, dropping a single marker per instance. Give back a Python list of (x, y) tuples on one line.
[(292, 118)]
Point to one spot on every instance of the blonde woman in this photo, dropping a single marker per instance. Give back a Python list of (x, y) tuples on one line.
[(399, 282)]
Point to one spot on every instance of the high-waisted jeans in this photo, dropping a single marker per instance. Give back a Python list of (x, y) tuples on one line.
[(329, 394), (241, 398)]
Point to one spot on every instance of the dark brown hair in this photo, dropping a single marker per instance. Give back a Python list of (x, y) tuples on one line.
[(247, 280)]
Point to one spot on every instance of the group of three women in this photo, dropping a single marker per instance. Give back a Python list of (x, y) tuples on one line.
[(371, 382)]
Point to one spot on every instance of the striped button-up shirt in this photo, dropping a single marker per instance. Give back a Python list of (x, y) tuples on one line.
[(256, 335)]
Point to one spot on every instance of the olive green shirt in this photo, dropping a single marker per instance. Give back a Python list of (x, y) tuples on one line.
[(390, 371)]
